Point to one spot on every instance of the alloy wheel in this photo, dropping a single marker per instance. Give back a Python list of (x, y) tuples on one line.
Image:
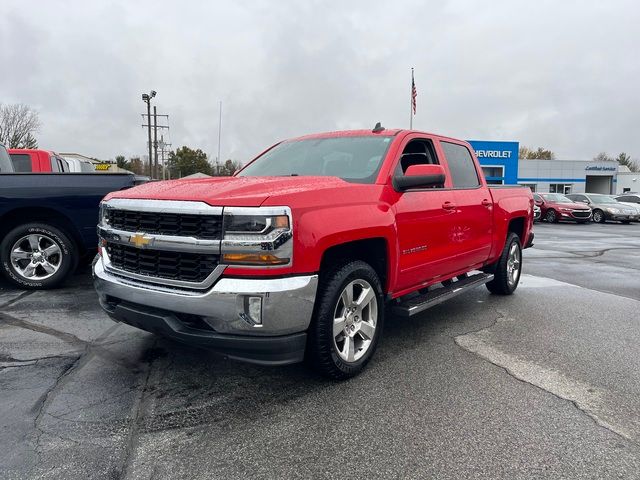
[(513, 264), (551, 216), (597, 216), (36, 257), (355, 320)]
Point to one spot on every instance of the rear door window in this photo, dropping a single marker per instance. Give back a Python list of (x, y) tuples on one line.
[(463, 170), (21, 162), (64, 165), (55, 166)]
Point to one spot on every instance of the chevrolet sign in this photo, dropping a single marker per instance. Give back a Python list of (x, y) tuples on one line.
[(493, 153)]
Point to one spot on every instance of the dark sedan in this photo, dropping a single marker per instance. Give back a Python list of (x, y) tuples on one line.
[(555, 207), (604, 208)]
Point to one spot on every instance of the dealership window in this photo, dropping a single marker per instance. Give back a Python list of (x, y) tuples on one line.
[(563, 188), (494, 174), (461, 166), (531, 186)]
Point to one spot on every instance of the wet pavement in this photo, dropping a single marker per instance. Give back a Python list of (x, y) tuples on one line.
[(542, 384)]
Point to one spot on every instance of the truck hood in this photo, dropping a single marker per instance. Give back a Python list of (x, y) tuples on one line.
[(234, 191)]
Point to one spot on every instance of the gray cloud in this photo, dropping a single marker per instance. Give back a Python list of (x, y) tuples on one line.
[(557, 74)]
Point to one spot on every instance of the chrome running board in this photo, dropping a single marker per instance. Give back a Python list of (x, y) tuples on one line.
[(420, 303)]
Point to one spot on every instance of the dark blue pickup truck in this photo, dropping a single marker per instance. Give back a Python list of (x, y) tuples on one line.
[(48, 221)]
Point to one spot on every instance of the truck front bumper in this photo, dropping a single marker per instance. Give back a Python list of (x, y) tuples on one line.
[(219, 318)]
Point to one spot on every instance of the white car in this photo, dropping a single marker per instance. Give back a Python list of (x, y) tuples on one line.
[(634, 206)]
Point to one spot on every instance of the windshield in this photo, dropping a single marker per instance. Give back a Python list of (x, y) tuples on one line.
[(354, 159), (5, 162), (556, 197), (601, 199)]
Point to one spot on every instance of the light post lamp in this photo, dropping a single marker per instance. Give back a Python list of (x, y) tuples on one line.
[(146, 98)]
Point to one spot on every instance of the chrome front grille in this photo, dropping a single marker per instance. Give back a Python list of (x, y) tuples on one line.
[(180, 224), (171, 243), (188, 267)]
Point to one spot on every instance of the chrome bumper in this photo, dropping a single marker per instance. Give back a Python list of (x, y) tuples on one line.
[(287, 303)]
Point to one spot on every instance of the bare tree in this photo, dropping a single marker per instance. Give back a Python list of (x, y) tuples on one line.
[(539, 154), (603, 157), (18, 125)]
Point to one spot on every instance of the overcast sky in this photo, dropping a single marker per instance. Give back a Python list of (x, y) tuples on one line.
[(563, 75)]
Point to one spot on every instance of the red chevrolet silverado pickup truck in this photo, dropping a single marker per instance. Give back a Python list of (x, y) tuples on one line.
[(37, 161), (302, 252)]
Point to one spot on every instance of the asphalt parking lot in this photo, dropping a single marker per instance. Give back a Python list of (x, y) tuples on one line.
[(542, 384)]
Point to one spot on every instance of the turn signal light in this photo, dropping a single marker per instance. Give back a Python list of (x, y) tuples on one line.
[(281, 221), (253, 259)]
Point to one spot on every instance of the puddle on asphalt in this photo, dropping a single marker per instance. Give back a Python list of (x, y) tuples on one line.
[(531, 281)]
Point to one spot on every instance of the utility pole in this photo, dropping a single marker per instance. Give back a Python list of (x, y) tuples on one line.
[(219, 132), (146, 98), (153, 145), (411, 102), (162, 151), (155, 141)]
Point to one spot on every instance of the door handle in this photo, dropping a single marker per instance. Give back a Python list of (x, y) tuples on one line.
[(448, 206), (486, 203)]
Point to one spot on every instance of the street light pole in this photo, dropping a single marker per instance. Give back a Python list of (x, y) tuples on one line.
[(146, 98)]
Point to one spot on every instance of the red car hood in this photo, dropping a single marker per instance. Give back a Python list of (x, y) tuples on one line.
[(231, 191)]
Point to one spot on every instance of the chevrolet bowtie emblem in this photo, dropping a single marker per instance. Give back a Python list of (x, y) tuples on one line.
[(140, 240)]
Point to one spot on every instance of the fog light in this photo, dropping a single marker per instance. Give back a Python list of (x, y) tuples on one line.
[(254, 309)]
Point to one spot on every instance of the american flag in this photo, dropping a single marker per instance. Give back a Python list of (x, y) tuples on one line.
[(414, 93)]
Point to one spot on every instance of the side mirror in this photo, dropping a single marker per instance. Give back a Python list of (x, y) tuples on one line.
[(420, 176)]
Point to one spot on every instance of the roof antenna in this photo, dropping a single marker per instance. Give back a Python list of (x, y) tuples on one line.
[(378, 128)]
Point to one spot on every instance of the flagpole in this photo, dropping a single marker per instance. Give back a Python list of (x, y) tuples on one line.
[(411, 103)]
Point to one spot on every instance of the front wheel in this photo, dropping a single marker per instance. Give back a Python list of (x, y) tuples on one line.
[(347, 322), (508, 268), (598, 216), (551, 216)]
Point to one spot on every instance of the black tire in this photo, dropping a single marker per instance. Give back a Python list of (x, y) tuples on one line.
[(501, 283), (626, 222), (66, 260), (551, 216), (322, 352), (599, 217)]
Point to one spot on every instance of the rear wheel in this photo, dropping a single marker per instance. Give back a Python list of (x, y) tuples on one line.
[(598, 216), (626, 222), (508, 268), (37, 256), (347, 321)]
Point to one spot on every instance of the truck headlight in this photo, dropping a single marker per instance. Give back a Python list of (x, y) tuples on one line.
[(102, 213), (257, 236)]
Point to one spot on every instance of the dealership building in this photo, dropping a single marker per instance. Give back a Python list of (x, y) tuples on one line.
[(501, 165)]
